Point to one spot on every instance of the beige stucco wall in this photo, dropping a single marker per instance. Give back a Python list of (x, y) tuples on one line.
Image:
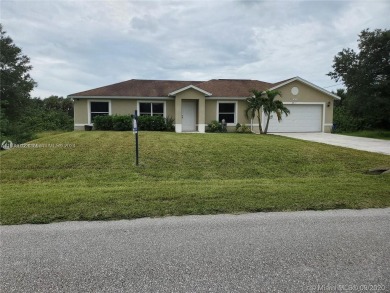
[(123, 107), (80, 111), (170, 108), (241, 106), (308, 94), (211, 110)]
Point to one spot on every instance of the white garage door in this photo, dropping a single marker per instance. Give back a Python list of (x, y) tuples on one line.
[(302, 118)]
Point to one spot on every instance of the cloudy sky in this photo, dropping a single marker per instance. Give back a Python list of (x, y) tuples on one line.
[(80, 45)]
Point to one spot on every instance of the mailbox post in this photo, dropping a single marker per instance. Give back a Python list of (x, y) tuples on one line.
[(135, 131)]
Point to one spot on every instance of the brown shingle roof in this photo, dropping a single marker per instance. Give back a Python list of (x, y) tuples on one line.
[(280, 82), (161, 88), (233, 87), (138, 88)]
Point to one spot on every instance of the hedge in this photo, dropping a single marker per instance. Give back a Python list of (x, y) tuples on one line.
[(125, 123)]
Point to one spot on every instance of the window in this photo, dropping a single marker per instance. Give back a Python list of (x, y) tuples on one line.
[(227, 111), (151, 109), (99, 109)]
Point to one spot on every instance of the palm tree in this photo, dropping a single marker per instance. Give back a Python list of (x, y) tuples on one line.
[(255, 103), (272, 105), (267, 102)]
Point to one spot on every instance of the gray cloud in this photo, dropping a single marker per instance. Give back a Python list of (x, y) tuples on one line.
[(78, 45)]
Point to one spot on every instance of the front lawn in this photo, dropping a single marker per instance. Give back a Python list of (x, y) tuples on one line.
[(92, 176)]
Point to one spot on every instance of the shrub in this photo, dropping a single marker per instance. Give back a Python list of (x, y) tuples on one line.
[(151, 123), (122, 123), (16, 132), (125, 123), (243, 128), (103, 122), (344, 121), (214, 126), (169, 124)]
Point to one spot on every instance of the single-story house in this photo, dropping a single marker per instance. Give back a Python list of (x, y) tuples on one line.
[(194, 104)]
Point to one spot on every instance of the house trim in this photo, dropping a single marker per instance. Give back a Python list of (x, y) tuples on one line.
[(174, 93), (201, 128), (227, 98), (235, 111), (178, 128), (151, 101), (123, 98), (89, 108)]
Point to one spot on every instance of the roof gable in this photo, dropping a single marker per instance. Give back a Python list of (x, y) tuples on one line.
[(174, 93), (297, 78)]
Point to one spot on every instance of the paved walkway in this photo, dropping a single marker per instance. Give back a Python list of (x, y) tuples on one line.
[(359, 143)]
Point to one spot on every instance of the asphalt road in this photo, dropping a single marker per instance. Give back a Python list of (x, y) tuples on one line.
[(331, 251)]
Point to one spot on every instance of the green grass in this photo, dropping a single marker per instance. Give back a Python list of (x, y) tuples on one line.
[(182, 174), (380, 134), (49, 133)]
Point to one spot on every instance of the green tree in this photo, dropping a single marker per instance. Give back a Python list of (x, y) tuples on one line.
[(342, 93), (272, 105), (16, 82), (15, 87), (59, 104), (52, 113), (255, 104), (265, 101), (366, 75), (343, 119)]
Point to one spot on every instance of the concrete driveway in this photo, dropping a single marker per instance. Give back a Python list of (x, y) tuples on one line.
[(358, 143)]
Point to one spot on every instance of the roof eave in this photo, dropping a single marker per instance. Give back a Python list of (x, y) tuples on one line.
[(116, 97)]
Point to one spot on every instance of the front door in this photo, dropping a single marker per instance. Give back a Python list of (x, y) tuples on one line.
[(188, 112)]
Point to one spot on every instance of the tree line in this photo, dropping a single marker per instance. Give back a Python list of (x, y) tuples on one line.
[(365, 101), (20, 115), (37, 115)]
